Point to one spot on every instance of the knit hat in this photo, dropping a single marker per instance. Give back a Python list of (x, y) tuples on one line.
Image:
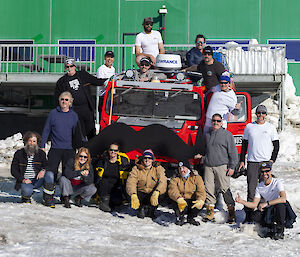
[(184, 163), (261, 108), (148, 153)]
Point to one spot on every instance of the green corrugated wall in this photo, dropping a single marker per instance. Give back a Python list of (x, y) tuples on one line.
[(105, 21)]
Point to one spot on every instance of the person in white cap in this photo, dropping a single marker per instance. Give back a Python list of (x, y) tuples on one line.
[(146, 182), (148, 43), (262, 139)]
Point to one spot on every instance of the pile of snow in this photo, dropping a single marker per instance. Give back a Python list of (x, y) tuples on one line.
[(8, 147)]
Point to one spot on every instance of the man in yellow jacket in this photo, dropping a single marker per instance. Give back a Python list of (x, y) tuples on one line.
[(146, 182), (188, 191)]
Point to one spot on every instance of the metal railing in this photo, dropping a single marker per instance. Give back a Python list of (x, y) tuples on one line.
[(43, 58)]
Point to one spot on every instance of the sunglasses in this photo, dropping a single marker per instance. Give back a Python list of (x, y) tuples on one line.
[(148, 158), (64, 99), (114, 150), (261, 113), (145, 64), (69, 66), (83, 156), (224, 83), (216, 120), (149, 23), (200, 42)]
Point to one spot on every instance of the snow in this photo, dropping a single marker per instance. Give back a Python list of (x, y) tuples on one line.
[(35, 230)]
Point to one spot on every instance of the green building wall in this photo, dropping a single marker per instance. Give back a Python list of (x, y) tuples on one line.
[(47, 21)]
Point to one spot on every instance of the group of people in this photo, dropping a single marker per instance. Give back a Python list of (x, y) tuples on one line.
[(110, 179)]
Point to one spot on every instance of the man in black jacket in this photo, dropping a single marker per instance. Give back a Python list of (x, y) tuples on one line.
[(29, 167), (77, 83)]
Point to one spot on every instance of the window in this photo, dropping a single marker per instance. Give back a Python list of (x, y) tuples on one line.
[(81, 53), (17, 53)]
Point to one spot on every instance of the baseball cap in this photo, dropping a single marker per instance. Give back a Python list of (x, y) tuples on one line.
[(225, 77), (148, 19), (266, 166), (208, 50), (261, 108), (109, 53), (70, 61), (145, 59)]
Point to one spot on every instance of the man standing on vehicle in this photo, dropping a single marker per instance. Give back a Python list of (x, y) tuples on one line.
[(148, 43), (220, 160), (263, 141), (210, 68), (77, 83), (194, 56)]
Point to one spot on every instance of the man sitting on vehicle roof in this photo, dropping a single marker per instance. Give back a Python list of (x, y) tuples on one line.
[(144, 74)]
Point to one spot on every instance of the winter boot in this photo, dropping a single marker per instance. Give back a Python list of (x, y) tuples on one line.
[(141, 212), (104, 203), (26, 199), (67, 201), (231, 214), (279, 232), (77, 200), (180, 220), (248, 218), (48, 193), (210, 214), (151, 211), (192, 221)]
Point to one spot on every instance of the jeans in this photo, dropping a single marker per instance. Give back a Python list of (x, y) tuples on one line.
[(27, 189)]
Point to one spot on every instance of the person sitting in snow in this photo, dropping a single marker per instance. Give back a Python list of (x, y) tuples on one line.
[(187, 190), (29, 167), (78, 179), (111, 172), (273, 210), (146, 182)]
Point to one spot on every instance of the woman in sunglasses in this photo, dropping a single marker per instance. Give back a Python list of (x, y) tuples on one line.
[(78, 179), (111, 172), (146, 182)]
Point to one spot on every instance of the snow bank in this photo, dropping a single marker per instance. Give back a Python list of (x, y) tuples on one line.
[(8, 147)]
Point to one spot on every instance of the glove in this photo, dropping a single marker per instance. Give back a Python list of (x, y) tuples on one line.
[(181, 204), (135, 203), (198, 204), (154, 198)]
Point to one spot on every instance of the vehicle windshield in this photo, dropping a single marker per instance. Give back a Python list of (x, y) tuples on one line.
[(169, 104)]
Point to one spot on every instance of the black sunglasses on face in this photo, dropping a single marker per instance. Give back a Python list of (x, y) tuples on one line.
[(224, 83), (83, 156), (261, 113), (114, 150), (148, 158), (200, 42), (149, 23), (69, 66), (64, 99), (145, 64), (216, 120)]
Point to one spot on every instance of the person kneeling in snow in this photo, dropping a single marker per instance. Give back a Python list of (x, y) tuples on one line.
[(188, 191), (78, 179), (274, 211), (146, 182), (29, 167)]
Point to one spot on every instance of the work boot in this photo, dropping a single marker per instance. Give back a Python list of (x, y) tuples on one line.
[(192, 221), (231, 214), (77, 200), (26, 199), (67, 201), (210, 214), (48, 193), (141, 213), (279, 232), (104, 203)]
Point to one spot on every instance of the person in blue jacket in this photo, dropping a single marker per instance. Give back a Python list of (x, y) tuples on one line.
[(61, 125), (194, 56)]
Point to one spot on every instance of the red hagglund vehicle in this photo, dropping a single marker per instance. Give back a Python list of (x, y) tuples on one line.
[(176, 102)]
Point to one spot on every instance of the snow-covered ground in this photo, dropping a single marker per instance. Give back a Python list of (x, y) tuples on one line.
[(34, 230)]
